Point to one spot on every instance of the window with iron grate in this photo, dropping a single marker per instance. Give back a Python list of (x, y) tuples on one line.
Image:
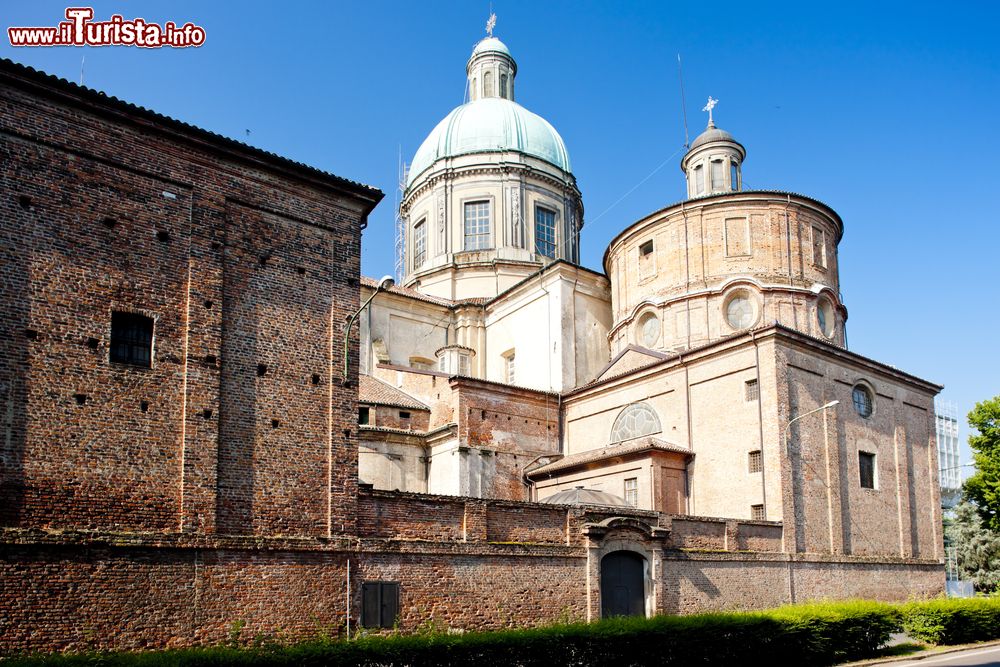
[(132, 339)]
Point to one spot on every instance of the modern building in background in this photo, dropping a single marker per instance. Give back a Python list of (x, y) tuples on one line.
[(948, 445)]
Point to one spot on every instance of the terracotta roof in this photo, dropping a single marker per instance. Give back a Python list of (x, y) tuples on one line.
[(24, 72), (406, 291), (407, 431), (376, 392), (634, 446)]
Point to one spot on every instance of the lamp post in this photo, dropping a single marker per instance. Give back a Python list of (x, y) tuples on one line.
[(788, 426), (385, 283), (788, 453)]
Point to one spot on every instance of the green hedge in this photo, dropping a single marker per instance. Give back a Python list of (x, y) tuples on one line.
[(816, 634), (812, 634), (953, 621)]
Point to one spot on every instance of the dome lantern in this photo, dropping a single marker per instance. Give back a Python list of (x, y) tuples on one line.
[(491, 70), (713, 163)]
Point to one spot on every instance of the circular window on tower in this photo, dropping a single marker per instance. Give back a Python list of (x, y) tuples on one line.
[(825, 317), (649, 330), (740, 309), (864, 403)]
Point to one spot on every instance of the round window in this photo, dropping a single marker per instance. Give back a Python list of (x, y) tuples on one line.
[(739, 311), (825, 317), (649, 329), (863, 402)]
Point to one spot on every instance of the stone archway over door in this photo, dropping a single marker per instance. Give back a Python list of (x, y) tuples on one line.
[(623, 584)]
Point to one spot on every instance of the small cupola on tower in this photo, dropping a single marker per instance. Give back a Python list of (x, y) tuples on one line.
[(491, 68), (713, 163)]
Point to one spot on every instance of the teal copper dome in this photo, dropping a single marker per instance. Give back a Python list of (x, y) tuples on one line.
[(492, 124)]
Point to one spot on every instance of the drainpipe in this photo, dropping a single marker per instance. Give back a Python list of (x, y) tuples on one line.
[(687, 407), (760, 420)]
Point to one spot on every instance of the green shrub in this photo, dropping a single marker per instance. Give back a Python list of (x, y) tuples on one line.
[(848, 630), (815, 634), (953, 621)]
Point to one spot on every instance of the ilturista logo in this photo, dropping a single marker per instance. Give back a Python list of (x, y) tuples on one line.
[(80, 29)]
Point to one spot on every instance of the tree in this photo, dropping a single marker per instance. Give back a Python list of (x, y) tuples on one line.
[(977, 549), (983, 488)]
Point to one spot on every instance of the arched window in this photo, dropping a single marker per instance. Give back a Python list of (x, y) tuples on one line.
[(634, 421), (503, 85), (472, 90), (734, 176), (487, 84)]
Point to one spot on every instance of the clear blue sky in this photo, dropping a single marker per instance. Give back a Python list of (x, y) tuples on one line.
[(888, 112)]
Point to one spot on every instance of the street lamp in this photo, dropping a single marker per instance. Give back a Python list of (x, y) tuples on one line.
[(788, 426), (788, 454), (385, 283)]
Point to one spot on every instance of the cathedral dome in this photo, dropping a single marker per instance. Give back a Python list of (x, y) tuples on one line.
[(490, 124)]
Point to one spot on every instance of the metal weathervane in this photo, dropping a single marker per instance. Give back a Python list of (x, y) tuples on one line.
[(708, 107), (490, 24)]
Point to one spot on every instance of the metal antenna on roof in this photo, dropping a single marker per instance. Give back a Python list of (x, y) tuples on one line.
[(684, 113)]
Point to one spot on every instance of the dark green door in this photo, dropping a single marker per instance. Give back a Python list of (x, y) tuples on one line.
[(622, 584)]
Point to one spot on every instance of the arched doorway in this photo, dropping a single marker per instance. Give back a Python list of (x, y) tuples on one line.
[(623, 584)]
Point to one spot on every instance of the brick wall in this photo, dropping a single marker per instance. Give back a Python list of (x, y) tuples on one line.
[(243, 264)]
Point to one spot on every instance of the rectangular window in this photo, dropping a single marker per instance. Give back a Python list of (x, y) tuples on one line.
[(509, 368), (545, 232), (477, 225), (699, 180), (364, 414), (734, 177), (379, 604), (752, 390), (755, 461), (632, 491), (463, 364), (647, 259), (717, 175), (757, 513), (819, 247), (737, 237), (866, 467), (403, 414), (419, 244), (132, 339)]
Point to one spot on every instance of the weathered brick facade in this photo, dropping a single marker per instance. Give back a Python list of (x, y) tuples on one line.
[(150, 507)]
